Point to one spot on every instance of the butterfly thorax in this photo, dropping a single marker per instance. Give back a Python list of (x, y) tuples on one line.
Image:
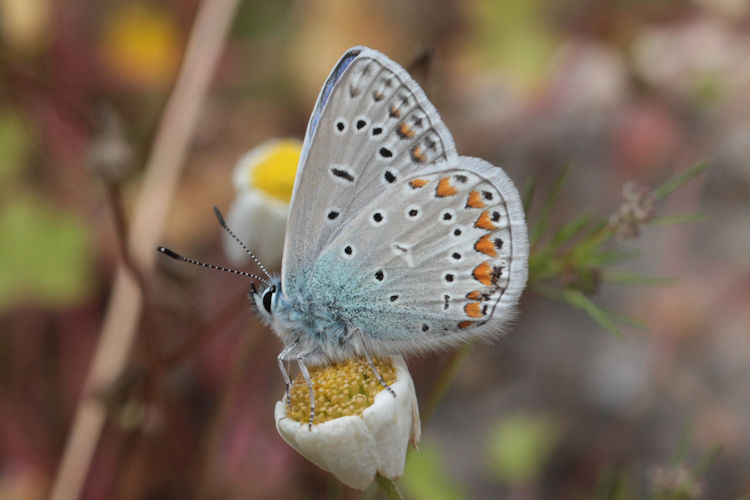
[(298, 316)]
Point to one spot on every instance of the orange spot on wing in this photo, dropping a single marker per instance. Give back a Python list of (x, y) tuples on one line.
[(445, 188), (418, 155), (475, 295), (418, 183), (394, 111), (483, 273), (465, 324), (484, 222), (404, 131), (486, 246), (473, 309), (475, 200)]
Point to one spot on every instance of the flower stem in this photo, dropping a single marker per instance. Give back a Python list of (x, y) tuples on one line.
[(388, 487)]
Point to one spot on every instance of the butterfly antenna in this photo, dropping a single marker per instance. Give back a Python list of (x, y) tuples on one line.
[(244, 247), (176, 256)]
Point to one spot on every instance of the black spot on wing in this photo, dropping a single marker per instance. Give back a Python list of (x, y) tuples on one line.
[(342, 174)]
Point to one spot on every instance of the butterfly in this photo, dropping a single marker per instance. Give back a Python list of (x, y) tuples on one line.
[(394, 243)]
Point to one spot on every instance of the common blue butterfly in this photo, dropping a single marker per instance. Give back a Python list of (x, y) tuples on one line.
[(394, 244)]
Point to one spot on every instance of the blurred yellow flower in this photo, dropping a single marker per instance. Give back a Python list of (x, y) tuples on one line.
[(264, 179), (140, 44)]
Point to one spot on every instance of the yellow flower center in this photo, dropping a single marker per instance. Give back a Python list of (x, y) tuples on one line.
[(341, 389), (274, 173)]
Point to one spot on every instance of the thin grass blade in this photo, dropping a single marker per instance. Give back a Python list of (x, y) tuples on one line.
[(541, 223), (666, 189), (669, 220), (578, 300)]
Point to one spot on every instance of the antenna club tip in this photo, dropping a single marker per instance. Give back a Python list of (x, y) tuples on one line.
[(168, 252), (219, 216)]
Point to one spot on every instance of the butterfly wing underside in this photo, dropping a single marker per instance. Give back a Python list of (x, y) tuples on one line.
[(439, 258), (409, 243), (372, 124)]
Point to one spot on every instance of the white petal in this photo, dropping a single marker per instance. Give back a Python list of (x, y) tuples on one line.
[(394, 422), (260, 222), (343, 446)]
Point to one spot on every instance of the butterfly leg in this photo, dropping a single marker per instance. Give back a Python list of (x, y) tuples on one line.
[(306, 376), (375, 371), (282, 359)]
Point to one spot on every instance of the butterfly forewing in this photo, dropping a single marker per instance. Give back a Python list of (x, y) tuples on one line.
[(372, 126)]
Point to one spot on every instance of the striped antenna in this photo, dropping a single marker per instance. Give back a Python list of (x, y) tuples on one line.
[(176, 256), (244, 247)]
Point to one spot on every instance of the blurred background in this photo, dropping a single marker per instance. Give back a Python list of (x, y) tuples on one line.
[(635, 90)]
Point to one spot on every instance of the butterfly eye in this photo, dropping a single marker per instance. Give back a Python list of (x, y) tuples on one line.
[(267, 297)]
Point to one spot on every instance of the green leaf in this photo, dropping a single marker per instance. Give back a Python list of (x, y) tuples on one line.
[(569, 230), (707, 460), (519, 447), (669, 220), (425, 476), (628, 321), (45, 256), (541, 224), (599, 234), (666, 189), (580, 301), (609, 257), (635, 279)]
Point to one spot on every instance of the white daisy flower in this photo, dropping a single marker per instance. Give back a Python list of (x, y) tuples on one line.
[(263, 178), (359, 429)]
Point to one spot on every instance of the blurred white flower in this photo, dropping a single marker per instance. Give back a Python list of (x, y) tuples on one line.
[(353, 437), (693, 58), (263, 178)]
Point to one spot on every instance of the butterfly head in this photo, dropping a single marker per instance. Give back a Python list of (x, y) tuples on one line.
[(264, 300)]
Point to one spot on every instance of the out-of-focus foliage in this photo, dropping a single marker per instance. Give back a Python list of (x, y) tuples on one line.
[(514, 36), (14, 147), (45, 257), (427, 477), (630, 93), (572, 261), (519, 447)]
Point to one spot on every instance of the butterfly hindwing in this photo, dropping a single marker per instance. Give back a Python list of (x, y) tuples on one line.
[(436, 258), (371, 127)]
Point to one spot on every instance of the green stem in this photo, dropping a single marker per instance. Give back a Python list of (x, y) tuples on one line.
[(388, 487)]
